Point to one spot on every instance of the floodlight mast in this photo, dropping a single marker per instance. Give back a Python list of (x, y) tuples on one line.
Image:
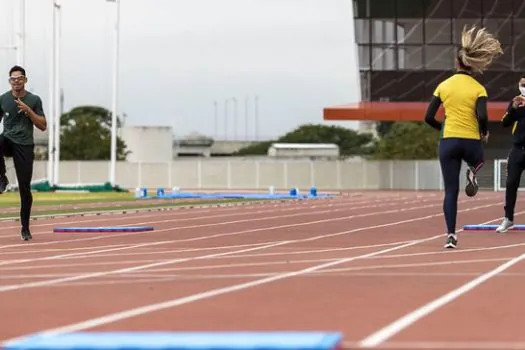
[(114, 99), (57, 87)]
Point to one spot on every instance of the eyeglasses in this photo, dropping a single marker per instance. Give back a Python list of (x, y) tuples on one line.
[(18, 78)]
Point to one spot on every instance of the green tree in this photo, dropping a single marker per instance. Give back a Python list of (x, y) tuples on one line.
[(382, 128), (350, 142), (408, 140), (86, 135), (255, 149)]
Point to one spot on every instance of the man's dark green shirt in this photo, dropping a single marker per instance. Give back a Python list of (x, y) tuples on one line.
[(18, 127)]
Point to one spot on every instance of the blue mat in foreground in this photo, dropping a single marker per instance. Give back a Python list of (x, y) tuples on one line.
[(491, 227), (181, 341)]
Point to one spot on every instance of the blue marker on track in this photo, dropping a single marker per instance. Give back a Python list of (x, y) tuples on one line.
[(491, 227), (103, 229)]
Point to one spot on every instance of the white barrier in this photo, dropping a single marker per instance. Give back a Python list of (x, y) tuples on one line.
[(257, 173)]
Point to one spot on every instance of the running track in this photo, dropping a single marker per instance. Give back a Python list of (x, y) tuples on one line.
[(370, 265)]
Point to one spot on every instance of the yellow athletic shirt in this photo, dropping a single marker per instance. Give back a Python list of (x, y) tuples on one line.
[(459, 94)]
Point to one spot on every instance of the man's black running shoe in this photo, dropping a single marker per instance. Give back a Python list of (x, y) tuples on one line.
[(26, 235)]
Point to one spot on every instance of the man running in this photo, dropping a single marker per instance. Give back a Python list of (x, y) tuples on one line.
[(21, 111)]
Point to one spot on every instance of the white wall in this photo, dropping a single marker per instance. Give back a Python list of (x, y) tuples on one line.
[(148, 143), (258, 173)]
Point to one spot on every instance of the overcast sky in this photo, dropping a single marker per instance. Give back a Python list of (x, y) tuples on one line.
[(179, 56)]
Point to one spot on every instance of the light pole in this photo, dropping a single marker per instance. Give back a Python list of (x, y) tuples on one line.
[(51, 108), (216, 118), (256, 117), (114, 100), (226, 103), (246, 126), (21, 35), (57, 89), (235, 110)]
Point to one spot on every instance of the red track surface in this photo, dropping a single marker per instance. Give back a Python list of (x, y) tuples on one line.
[(356, 264)]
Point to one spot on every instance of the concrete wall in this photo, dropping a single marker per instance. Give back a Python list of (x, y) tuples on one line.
[(148, 143), (260, 173)]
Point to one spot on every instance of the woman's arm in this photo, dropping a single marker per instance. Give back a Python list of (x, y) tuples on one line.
[(510, 117), (482, 114), (430, 116)]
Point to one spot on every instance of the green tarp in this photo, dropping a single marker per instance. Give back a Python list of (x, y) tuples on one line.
[(44, 186)]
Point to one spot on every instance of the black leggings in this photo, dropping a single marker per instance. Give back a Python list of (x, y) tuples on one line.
[(452, 151), (515, 166), (23, 157)]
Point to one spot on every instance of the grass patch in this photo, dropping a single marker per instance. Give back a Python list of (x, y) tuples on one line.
[(138, 205), (71, 203), (11, 199)]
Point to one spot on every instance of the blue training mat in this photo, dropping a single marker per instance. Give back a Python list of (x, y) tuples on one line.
[(237, 195), (491, 227), (180, 341), (104, 229), (292, 194)]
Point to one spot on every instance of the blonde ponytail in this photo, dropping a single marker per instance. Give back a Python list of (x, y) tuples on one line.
[(478, 49)]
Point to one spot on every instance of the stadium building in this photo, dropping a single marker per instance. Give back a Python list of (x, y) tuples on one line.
[(406, 47)]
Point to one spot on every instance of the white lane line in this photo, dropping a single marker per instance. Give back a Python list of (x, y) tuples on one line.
[(214, 256), (274, 262), (342, 205), (198, 238), (83, 264), (124, 270), (169, 279), (396, 211), (58, 250), (215, 292), (83, 254), (453, 252), (149, 245), (437, 345), (95, 322), (410, 265), (189, 270), (206, 237), (406, 321), (288, 251)]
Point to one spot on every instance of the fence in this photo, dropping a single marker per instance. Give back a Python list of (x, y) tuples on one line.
[(259, 173)]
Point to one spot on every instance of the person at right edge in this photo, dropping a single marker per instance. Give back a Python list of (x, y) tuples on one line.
[(21, 111), (514, 116), (466, 120)]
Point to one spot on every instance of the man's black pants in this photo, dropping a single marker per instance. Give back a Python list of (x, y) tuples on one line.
[(23, 158), (515, 167)]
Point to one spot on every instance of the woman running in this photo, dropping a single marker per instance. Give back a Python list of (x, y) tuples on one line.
[(466, 121)]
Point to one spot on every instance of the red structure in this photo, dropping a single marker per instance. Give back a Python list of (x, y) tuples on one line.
[(396, 111)]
